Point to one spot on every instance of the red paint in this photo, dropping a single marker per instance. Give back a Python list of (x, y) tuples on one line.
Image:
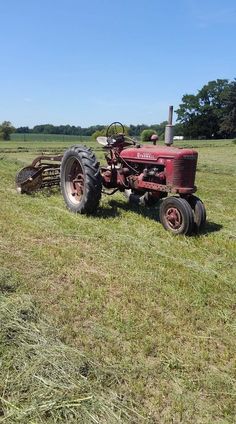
[(158, 168)]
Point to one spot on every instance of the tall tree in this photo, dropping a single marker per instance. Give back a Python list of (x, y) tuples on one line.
[(6, 129), (202, 114), (228, 123)]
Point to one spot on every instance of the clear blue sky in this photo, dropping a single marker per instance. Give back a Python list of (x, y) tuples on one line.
[(96, 61)]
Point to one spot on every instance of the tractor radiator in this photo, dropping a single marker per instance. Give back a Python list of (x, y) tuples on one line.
[(184, 170)]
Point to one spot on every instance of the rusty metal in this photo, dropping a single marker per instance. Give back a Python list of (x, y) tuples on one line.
[(40, 174), (75, 178), (38, 160), (174, 218)]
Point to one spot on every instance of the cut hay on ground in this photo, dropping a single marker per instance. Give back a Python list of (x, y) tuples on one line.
[(42, 379)]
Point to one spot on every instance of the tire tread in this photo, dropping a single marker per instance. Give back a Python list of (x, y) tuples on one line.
[(186, 212), (92, 178)]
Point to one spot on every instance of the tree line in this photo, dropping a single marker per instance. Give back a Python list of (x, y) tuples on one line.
[(210, 113), (132, 130)]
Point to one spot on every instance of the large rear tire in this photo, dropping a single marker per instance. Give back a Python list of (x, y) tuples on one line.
[(199, 212), (81, 182), (176, 215)]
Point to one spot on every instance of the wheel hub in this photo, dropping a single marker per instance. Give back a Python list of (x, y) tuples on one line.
[(173, 217), (77, 186), (75, 180)]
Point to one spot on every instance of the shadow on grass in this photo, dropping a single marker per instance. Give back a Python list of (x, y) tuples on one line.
[(106, 212), (151, 213), (211, 227)]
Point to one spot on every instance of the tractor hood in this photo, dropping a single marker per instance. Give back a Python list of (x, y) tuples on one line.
[(155, 154)]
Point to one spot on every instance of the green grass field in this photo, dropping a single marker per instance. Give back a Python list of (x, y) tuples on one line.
[(109, 318), (31, 137)]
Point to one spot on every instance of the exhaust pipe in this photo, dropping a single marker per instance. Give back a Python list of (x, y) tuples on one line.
[(169, 130)]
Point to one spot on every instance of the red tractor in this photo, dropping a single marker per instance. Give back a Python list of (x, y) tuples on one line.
[(146, 174)]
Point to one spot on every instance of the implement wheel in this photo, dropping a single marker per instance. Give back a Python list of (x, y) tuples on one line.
[(176, 215), (28, 180), (81, 182)]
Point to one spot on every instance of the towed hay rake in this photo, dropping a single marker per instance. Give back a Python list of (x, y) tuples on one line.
[(145, 174), (43, 172)]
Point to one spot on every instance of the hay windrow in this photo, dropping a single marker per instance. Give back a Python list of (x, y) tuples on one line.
[(44, 380)]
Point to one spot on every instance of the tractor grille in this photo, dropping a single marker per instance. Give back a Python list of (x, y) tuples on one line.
[(184, 171)]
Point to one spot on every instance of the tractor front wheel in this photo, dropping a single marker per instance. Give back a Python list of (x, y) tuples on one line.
[(199, 212), (81, 182), (176, 215)]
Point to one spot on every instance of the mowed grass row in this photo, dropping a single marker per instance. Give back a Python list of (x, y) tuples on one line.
[(156, 311)]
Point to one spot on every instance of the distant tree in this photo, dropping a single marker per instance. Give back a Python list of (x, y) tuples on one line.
[(132, 130), (38, 129), (160, 129), (135, 130), (6, 129), (146, 134), (228, 123), (22, 130), (98, 134), (202, 114), (48, 129), (178, 129), (90, 130)]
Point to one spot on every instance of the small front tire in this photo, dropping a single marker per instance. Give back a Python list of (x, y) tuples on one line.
[(199, 212), (176, 215)]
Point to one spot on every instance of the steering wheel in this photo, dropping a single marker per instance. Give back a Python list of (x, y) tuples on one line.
[(114, 129)]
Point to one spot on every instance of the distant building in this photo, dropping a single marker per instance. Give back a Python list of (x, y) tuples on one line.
[(178, 137)]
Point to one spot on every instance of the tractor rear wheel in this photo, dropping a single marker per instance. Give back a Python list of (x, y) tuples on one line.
[(176, 215), (199, 212), (81, 182)]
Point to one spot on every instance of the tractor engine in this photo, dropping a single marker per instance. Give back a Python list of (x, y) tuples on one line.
[(160, 169)]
